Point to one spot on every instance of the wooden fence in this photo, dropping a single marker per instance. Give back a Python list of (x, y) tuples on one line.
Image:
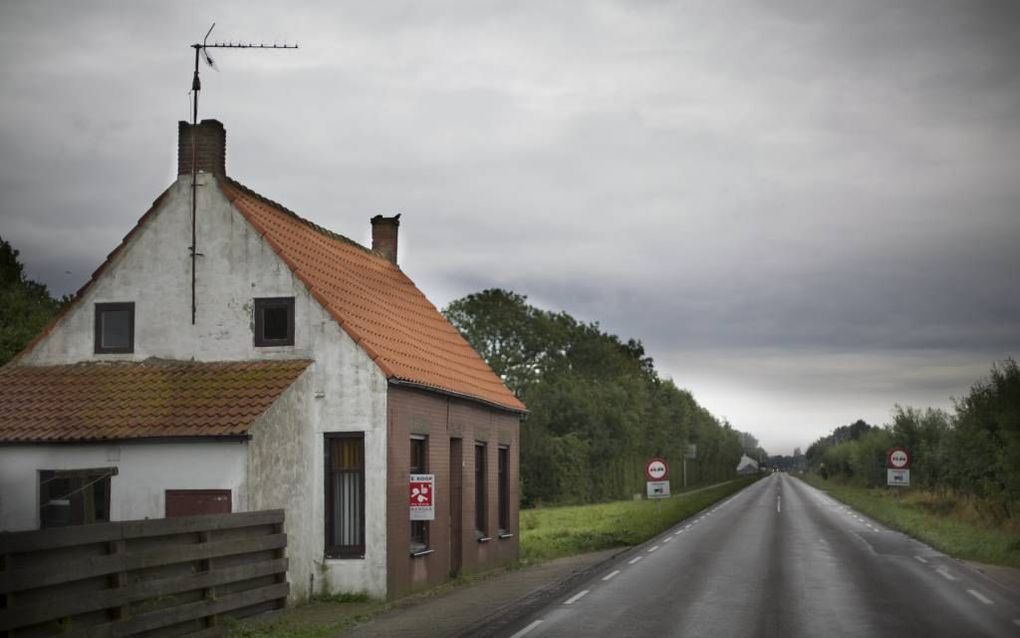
[(161, 578)]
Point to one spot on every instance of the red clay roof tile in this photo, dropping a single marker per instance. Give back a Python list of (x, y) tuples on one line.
[(154, 398), (375, 303)]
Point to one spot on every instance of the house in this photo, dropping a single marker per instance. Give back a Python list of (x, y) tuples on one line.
[(276, 365), (747, 465)]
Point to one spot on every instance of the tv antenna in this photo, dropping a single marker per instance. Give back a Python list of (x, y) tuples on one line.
[(202, 50)]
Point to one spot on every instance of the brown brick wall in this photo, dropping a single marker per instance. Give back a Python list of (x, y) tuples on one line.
[(441, 418), (210, 144)]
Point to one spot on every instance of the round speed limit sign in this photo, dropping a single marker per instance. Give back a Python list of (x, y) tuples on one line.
[(657, 470), (899, 458)]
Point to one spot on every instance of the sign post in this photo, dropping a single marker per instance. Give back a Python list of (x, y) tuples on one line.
[(423, 497), (898, 467)]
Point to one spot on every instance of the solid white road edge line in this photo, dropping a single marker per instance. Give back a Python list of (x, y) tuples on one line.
[(980, 596), (576, 597), (610, 575), (527, 629), (634, 560)]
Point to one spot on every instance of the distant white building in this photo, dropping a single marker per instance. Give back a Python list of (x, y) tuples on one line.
[(747, 465)]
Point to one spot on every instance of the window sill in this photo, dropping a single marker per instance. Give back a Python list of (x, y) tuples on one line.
[(424, 552), (484, 539), (505, 535)]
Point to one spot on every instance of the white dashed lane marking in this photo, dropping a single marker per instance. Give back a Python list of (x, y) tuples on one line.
[(610, 575), (576, 597), (944, 573), (634, 560), (653, 548), (666, 540), (979, 596), (920, 559), (527, 629)]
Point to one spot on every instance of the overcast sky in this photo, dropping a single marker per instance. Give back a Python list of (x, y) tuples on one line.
[(807, 211)]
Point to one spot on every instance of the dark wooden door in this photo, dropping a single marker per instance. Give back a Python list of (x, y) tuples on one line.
[(456, 506), (194, 502)]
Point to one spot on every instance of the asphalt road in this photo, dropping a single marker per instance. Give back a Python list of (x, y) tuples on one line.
[(780, 558)]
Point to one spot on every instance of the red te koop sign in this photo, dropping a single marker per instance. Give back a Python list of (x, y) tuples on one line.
[(422, 497)]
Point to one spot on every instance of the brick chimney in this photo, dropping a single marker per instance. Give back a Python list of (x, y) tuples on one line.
[(211, 142), (384, 236)]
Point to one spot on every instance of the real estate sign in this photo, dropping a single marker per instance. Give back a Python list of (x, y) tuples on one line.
[(423, 497)]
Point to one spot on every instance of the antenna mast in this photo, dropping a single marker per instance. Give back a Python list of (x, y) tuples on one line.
[(202, 50)]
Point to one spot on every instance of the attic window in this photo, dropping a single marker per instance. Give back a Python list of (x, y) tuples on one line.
[(115, 328), (274, 321)]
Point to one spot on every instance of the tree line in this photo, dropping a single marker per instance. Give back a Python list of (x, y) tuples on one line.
[(25, 305), (972, 451), (598, 410)]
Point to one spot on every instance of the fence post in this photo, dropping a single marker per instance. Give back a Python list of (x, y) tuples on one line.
[(8, 598), (208, 593), (281, 577), (119, 580)]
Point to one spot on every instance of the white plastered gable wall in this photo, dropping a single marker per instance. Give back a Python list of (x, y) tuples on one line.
[(342, 391)]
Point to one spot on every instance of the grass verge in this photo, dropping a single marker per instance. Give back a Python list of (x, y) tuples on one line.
[(912, 512), (553, 532)]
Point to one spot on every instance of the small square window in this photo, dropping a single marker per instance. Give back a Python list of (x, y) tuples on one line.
[(74, 497), (115, 328), (274, 321)]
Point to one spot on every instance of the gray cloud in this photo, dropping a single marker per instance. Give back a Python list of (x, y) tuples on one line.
[(808, 182)]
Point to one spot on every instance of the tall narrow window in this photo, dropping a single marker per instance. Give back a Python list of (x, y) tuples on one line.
[(274, 321), (345, 495), (481, 511), (115, 328), (74, 497), (504, 489), (419, 465)]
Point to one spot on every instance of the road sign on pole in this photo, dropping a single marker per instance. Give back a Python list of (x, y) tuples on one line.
[(898, 459), (897, 477), (656, 470), (658, 489), (657, 473)]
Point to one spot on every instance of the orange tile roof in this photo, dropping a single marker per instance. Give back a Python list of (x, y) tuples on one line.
[(375, 303), (149, 399)]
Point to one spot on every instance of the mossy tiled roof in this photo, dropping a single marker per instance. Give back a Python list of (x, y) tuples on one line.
[(149, 399)]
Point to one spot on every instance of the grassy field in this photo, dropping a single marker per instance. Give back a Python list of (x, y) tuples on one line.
[(947, 524), (552, 532)]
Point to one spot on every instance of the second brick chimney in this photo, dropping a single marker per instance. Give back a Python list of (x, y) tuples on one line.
[(210, 142), (384, 236)]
